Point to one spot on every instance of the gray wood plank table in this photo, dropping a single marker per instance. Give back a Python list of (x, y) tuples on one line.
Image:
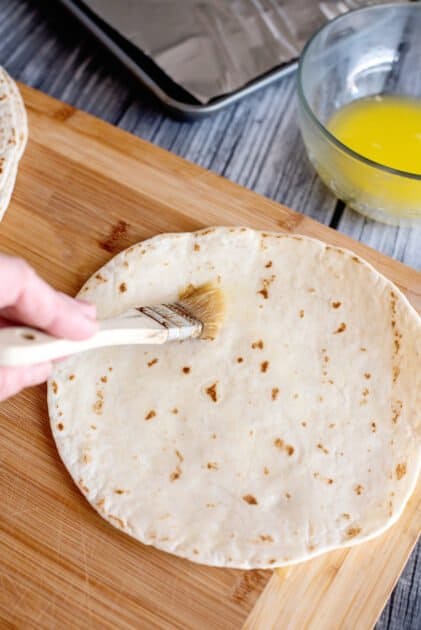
[(255, 143)]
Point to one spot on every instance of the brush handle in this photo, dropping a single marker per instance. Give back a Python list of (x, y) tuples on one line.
[(25, 346)]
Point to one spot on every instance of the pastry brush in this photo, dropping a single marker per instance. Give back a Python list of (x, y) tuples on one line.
[(197, 314)]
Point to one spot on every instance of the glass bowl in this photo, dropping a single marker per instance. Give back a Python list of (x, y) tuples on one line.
[(370, 51)]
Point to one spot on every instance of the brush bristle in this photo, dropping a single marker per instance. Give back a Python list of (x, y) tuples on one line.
[(205, 303)]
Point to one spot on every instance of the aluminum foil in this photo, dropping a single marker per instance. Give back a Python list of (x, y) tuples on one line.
[(214, 47)]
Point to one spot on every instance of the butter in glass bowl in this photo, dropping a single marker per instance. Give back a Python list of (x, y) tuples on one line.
[(359, 86)]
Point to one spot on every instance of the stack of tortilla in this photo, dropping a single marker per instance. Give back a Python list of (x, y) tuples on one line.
[(13, 136), (296, 431)]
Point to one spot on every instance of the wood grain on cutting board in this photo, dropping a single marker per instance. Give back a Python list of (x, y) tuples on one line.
[(85, 191)]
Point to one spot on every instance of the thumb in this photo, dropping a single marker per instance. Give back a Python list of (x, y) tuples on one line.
[(13, 379)]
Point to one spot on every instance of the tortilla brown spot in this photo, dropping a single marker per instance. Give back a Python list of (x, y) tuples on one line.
[(186, 369), (396, 410), (151, 414), (176, 474), (60, 426), (265, 538), (286, 447), (400, 471), (351, 532), (196, 247), (327, 480), (212, 393), (275, 392), (266, 283), (212, 466), (340, 328), (268, 264), (179, 455), (240, 359), (152, 362), (257, 344), (122, 287), (119, 491), (358, 489), (336, 304), (250, 499), (301, 313), (264, 366), (264, 293), (373, 427), (97, 407), (323, 448), (72, 377), (266, 470), (174, 410), (104, 379), (54, 387)]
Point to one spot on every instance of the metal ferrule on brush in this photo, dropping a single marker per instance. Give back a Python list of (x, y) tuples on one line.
[(179, 323)]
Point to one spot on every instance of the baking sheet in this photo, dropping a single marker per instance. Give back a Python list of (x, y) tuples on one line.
[(214, 47)]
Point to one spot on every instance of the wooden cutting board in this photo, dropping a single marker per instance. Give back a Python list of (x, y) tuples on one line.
[(85, 191)]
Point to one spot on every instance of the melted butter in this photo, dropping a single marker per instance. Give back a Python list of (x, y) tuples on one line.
[(385, 129)]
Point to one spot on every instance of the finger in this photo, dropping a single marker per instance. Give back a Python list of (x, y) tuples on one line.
[(26, 298), (13, 379), (86, 307), (5, 322)]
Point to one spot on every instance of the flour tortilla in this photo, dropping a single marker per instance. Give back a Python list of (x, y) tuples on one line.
[(13, 136), (295, 432)]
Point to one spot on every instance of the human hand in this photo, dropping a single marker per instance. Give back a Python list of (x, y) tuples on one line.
[(26, 299)]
